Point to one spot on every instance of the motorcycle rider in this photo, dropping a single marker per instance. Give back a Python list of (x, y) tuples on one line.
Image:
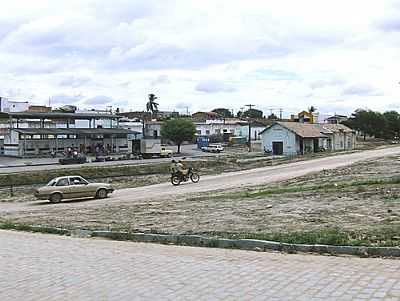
[(182, 168), (173, 168)]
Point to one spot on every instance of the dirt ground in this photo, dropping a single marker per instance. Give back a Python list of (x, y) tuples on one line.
[(361, 200)]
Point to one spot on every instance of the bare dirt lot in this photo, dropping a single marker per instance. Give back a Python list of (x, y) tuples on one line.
[(357, 204)]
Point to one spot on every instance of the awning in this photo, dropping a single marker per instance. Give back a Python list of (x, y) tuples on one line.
[(58, 115), (74, 131)]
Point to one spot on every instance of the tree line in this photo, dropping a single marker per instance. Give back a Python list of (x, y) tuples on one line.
[(371, 123)]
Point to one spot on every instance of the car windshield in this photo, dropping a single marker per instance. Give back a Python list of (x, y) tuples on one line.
[(51, 183)]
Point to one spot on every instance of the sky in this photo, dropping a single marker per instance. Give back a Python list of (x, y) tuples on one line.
[(199, 55)]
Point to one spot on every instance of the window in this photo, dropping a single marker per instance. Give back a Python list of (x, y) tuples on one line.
[(207, 132), (78, 181), (217, 131), (63, 182)]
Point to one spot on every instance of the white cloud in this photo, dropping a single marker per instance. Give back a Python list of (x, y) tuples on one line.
[(99, 100), (362, 90), (214, 86)]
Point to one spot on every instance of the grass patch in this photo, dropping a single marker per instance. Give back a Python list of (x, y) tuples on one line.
[(333, 187), (381, 237), (31, 228)]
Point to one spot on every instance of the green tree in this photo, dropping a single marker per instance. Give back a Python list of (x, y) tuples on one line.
[(392, 129), (178, 131), (225, 113), (367, 122), (253, 113)]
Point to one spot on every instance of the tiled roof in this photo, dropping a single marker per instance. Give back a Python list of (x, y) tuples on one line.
[(304, 130), (327, 127)]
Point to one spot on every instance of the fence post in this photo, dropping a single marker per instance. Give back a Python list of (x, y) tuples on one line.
[(11, 191)]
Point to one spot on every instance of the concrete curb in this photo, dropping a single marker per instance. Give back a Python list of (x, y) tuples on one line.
[(249, 244), (214, 242)]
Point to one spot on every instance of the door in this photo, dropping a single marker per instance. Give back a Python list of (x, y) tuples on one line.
[(277, 148), (316, 145), (79, 188)]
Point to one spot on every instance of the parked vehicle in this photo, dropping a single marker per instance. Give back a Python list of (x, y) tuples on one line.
[(72, 187), (165, 152), (148, 148), (213, 148), (178, 177), (78, 159)]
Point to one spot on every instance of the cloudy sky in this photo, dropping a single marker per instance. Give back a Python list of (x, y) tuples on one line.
[(198, 55)]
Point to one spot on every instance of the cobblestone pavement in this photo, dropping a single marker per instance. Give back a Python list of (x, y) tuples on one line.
[(49, 267)]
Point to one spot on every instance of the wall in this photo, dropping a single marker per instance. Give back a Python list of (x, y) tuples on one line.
[(278, 133), (243, 131), (11, 144), (13, 106), (208, 128), (343, 141)]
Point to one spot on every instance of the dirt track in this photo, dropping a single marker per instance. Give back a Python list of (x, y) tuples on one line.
[(218, 182)]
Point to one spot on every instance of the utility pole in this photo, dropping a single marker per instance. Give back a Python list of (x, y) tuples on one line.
[(280, 113), (250, 107)]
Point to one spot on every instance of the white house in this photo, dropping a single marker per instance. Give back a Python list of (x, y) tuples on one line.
[(217, 127), (294, 138)]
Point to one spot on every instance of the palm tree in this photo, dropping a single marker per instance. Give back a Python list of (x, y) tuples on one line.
[(151, 105), (312, 109)]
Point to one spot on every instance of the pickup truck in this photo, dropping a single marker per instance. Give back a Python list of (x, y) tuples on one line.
[(213, 148)]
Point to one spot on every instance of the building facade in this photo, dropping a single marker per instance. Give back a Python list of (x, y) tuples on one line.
[(40, 134), (294, 138)]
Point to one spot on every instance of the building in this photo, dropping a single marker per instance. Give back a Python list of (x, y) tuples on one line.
[(39, 134), (39, 109), (204, 116), (294, 138), (135, 125), (148, 115), (340, 137), (8, 106), (217, 127), (336, 119), (256, 127), (305, 117)]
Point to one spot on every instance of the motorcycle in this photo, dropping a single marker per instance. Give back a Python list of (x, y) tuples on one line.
[(177, 177)]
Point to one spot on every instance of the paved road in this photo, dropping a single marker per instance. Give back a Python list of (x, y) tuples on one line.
[(45, 267), (238, 179), (13, 165)]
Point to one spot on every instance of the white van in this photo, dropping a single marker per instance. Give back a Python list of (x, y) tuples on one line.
[(213, 148)]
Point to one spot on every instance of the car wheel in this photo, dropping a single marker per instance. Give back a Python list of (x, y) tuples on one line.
[(55, 198), (101, 193)]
